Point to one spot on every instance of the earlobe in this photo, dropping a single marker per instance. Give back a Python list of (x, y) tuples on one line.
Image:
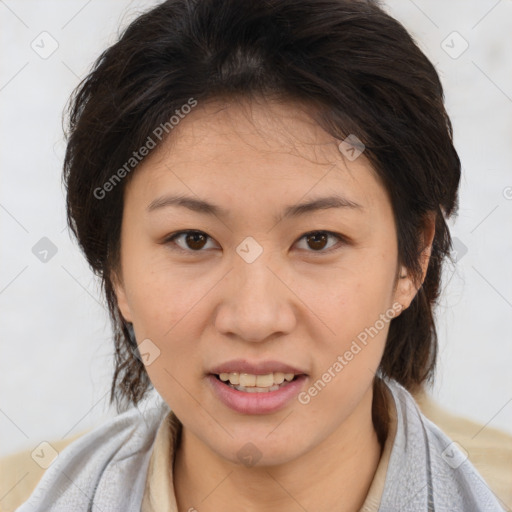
[(405, 290), (407, 287), (122, 301)]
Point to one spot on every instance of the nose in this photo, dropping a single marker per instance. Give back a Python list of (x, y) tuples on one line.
[(256, 303)]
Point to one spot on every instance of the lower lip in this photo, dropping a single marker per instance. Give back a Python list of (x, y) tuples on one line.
[(256, 403)]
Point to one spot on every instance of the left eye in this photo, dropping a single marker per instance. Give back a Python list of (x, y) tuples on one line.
[(317, 240), (196, 240)]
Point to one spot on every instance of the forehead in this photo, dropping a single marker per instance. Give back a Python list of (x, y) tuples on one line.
[(228, 129), (245, 146)]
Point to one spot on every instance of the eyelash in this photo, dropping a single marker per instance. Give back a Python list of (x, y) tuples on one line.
[(171, 238)]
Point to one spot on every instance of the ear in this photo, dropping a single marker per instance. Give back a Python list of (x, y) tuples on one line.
[(407, 287), (122, 300)]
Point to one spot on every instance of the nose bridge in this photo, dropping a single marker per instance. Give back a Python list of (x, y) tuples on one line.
[(255, 282), (256, 303), (251, 268)]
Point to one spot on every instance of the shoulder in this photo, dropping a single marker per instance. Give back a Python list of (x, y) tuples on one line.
[(100, 465), (488, 449), (426, 466)]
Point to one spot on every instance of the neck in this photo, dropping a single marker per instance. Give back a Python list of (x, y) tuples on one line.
[(335, 475)]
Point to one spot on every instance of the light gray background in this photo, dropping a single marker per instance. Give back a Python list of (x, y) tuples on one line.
[(56, 364)]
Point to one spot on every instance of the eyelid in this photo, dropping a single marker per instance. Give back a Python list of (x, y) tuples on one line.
[(343, 240)]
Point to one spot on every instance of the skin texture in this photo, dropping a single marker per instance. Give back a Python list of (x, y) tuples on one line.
[(299, 302)]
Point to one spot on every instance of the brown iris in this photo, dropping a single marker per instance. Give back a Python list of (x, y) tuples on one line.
[(195, 241), (318, 240)]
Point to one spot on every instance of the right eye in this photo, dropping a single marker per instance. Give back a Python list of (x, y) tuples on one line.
[(191, 240)]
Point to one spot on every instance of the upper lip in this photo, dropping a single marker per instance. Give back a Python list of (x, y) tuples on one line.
[(255, 368)]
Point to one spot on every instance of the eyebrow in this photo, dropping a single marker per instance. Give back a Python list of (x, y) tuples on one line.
[(201, 206)]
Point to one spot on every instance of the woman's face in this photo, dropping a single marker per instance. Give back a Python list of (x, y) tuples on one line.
[(268, 286)]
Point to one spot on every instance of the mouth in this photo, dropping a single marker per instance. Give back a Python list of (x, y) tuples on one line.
[(256, 388), (252, 383)]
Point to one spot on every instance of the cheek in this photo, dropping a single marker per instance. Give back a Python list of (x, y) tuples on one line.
[(160, 294), (351, 297), (167, 310), (171, 314), (355, 305)]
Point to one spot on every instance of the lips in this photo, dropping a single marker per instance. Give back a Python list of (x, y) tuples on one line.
[(256, 400), (256, 387)]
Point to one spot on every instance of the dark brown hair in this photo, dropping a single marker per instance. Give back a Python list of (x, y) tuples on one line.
[(354, 63)]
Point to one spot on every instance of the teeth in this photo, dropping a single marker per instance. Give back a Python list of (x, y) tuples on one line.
[(247, 380), (278, 378), (265, 382)]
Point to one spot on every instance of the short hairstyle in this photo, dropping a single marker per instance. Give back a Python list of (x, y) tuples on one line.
[(355, 65)]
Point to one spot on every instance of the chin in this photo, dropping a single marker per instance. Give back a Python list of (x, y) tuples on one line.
[(254, 450)]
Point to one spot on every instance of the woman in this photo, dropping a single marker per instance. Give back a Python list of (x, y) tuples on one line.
[(263, 189)]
